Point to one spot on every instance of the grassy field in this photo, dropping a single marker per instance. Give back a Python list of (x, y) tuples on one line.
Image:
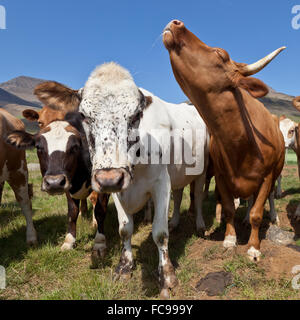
[(47, 273)]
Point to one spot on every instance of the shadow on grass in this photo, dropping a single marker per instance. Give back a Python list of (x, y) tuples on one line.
[(14, 247), (290, 192)]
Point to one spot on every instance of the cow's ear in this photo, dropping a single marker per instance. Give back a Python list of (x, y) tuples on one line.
[(57, 96), (149, 101), (283, 117), (254, 86), (31, 115), (21, 140), (296, 103)]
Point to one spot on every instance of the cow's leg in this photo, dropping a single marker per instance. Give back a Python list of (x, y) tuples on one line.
[(192, 198), (161, 197), (278, 194), (93, 199), (148, 212), (99, 249), (126, 225), (273, 214), (83, 208), (256, 216), (206, 189), (1, 191), (177, 195), (250, 205), (218, 206), (18, 180), (228, 210), (200, 224), (73, 212)]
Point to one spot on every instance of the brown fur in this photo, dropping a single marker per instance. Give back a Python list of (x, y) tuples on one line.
[(44, 117), (247, 146), (57, 96)]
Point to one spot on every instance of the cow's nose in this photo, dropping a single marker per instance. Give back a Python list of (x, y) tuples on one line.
[(110, 181), (177, 23), (55, 184)]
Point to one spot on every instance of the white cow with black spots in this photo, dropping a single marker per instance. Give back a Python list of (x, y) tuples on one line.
[(120, 121)]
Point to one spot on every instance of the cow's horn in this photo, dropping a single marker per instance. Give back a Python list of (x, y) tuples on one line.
[(254, 68)]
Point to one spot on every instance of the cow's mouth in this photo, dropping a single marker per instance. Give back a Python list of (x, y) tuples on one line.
[(170, 32), (111, 180), (56, 185)]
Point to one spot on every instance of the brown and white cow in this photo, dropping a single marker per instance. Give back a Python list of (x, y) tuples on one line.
[(65, 167), (247, 145), (13, 169), (44, 118)]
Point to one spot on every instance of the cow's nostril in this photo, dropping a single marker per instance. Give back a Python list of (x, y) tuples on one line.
[(177, 22), (63, 182)]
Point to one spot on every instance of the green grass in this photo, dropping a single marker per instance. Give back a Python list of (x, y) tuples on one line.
[(46, 273)]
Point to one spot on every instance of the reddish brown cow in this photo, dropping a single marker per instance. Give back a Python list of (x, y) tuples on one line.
[(247, 146), (13, 169)]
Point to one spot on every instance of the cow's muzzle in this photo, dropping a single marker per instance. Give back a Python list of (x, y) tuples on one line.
[(56, 185), (111, 180)]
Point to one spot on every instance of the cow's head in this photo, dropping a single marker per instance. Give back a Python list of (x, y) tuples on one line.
[(112, 106), (201, 69), (58, 147), (288, 129), (43, 117)]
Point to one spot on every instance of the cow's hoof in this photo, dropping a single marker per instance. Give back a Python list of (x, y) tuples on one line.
[(32, 243), (122, 275), (67, 246), (164, 294), (229, 242), (97, 257), (254, 255), (201, 233)]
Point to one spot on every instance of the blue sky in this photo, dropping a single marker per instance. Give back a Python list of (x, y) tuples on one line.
[(64, 40)]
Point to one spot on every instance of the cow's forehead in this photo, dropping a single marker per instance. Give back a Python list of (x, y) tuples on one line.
[(57, 135), (287, 124), (110, 92)]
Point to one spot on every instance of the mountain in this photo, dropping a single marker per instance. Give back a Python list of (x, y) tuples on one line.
[(280, 103), (17, 95)]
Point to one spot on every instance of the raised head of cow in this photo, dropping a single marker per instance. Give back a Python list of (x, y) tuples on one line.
[(203, 71), (112, 106), (58, 147), (43, 117)]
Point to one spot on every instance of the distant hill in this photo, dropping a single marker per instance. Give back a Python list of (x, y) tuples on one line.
[(17, 95), (280, 104)]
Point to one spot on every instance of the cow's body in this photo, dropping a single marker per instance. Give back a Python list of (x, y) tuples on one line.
[(13, 169), (65, 169), (247, 146), (114, 109)]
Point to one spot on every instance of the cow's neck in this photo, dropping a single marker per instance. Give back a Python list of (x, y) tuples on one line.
[(228, 120)]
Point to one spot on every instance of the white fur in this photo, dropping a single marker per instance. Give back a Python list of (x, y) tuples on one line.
[(69, 243), (229, 242), (110, 98), (57, 138), (254, 254)]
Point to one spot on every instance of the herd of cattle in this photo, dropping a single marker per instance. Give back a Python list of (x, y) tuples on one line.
[(83, 147)]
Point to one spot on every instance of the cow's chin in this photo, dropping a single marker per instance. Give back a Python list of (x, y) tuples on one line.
[(168, 39)]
